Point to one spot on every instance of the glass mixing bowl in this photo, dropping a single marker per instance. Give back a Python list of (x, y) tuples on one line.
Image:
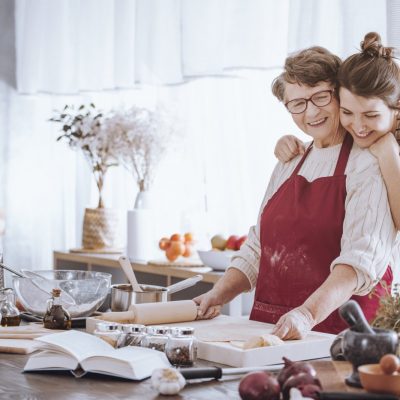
[(84, 291)]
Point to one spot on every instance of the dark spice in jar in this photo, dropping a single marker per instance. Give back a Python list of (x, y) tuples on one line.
[(157, 346), (180, 356)]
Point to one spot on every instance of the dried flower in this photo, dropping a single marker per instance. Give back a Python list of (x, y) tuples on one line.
[(388, 313), (141, 138), (85, 129)]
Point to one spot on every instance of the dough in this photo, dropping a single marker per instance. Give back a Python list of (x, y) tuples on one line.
[(258, 341)]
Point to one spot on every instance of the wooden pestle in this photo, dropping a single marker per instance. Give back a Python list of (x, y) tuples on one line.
[(154, 313), (352, 314)]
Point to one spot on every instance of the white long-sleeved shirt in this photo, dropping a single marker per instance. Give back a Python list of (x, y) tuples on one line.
[(369, 234)]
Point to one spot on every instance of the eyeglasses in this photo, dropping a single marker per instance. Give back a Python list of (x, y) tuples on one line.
[(319, 99)]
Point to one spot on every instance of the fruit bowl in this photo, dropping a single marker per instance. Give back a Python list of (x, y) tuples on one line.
[(374, 380), (219, 260), (86, 289)]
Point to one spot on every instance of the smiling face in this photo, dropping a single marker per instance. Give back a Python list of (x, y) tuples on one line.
[(321, 123), (367, 119)]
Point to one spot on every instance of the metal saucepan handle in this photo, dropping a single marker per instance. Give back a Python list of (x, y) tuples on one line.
[(184, 284)]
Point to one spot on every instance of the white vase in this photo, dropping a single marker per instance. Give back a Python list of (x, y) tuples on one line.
[(140, 234)]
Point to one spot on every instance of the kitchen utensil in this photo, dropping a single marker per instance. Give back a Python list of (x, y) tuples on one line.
[(374, 380), (362, 344), (352, 314), (217, 373), (186, 283), (127, 268), (87, 288), (41, 284), (122, 295), (155, 313), (363, 348), (47, 286)]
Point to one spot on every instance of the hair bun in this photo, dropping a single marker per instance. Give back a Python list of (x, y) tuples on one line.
[(372, 46)]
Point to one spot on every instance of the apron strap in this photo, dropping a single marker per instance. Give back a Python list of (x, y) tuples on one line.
[(297, 169), (344, 155)]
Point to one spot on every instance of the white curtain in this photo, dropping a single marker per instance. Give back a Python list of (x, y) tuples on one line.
[(121, 52)]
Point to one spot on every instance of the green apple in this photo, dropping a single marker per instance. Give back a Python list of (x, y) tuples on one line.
[(218, 242)]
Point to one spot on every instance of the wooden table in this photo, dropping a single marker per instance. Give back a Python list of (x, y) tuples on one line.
[(63, 386)]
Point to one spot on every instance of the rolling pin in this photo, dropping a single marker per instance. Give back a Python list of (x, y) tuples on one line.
[(154, 313)]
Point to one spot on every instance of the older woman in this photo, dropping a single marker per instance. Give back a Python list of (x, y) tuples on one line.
[(324, 231)]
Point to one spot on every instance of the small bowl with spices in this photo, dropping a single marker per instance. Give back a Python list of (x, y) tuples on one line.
[(181, 348)]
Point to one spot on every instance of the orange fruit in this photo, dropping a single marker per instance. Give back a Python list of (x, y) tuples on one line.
[(176, 237), (188, 237), (188, 250), (169, 253), (164, 243)]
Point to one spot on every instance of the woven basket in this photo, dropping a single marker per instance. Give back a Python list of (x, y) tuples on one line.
[(100, 226)]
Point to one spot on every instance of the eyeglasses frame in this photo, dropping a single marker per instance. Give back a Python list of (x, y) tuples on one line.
[(331, 91)]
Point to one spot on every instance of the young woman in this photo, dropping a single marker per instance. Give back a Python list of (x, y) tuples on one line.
[(369, 110), (314, 246)]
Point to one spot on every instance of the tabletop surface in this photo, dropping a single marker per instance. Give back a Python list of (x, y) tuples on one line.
[(14, 384)]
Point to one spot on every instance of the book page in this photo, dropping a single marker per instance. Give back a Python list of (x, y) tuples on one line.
[(79, 344), (128, 362), (51, 360)]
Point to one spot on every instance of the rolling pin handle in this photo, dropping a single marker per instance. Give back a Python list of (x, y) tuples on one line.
[(199, 373)]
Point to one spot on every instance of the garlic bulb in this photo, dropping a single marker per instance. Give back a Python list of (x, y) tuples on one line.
[(167, 381)]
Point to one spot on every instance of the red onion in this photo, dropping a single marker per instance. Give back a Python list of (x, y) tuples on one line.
[(259, 386), (299, 380), (294, 368)]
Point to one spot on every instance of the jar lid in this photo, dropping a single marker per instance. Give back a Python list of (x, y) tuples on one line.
[(182, 331), (107, 326), (132, 328), (158, 330)]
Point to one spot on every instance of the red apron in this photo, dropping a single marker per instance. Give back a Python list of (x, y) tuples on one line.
[(300, 234)]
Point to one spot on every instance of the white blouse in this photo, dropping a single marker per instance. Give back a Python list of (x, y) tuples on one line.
[(369, 234)]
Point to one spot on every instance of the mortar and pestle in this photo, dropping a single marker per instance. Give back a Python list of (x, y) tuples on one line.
[(362, 344)]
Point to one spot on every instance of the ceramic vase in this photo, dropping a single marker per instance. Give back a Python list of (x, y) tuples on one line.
[(140, 234)]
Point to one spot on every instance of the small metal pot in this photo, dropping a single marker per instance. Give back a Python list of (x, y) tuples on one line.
[(122, 296)]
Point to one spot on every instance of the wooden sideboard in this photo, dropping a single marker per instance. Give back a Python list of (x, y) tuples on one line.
[(149, 274)]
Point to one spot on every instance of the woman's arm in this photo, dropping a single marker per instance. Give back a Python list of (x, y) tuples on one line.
[(226, 289), (335, 291), (386, 150)]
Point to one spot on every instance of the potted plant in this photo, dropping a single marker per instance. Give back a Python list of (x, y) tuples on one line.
[(84, 129)]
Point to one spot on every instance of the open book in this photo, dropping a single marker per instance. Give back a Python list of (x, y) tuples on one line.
[(81, 352)]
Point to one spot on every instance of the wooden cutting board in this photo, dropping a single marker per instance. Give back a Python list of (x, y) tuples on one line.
[(18, 346)]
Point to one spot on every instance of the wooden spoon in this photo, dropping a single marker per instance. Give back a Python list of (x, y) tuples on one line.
[(127, 268)]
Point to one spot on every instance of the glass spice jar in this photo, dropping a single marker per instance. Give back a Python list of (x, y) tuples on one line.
[(109, 332), (181, 348), (132, 334), (156, 337), (9, 313)]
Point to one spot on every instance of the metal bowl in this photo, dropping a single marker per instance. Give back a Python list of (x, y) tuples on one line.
[(87, 289)]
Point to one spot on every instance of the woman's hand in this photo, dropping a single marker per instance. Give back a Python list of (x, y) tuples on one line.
[(295, 324), (226, 289), (384, 145), (209, 305), (288, 147)]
